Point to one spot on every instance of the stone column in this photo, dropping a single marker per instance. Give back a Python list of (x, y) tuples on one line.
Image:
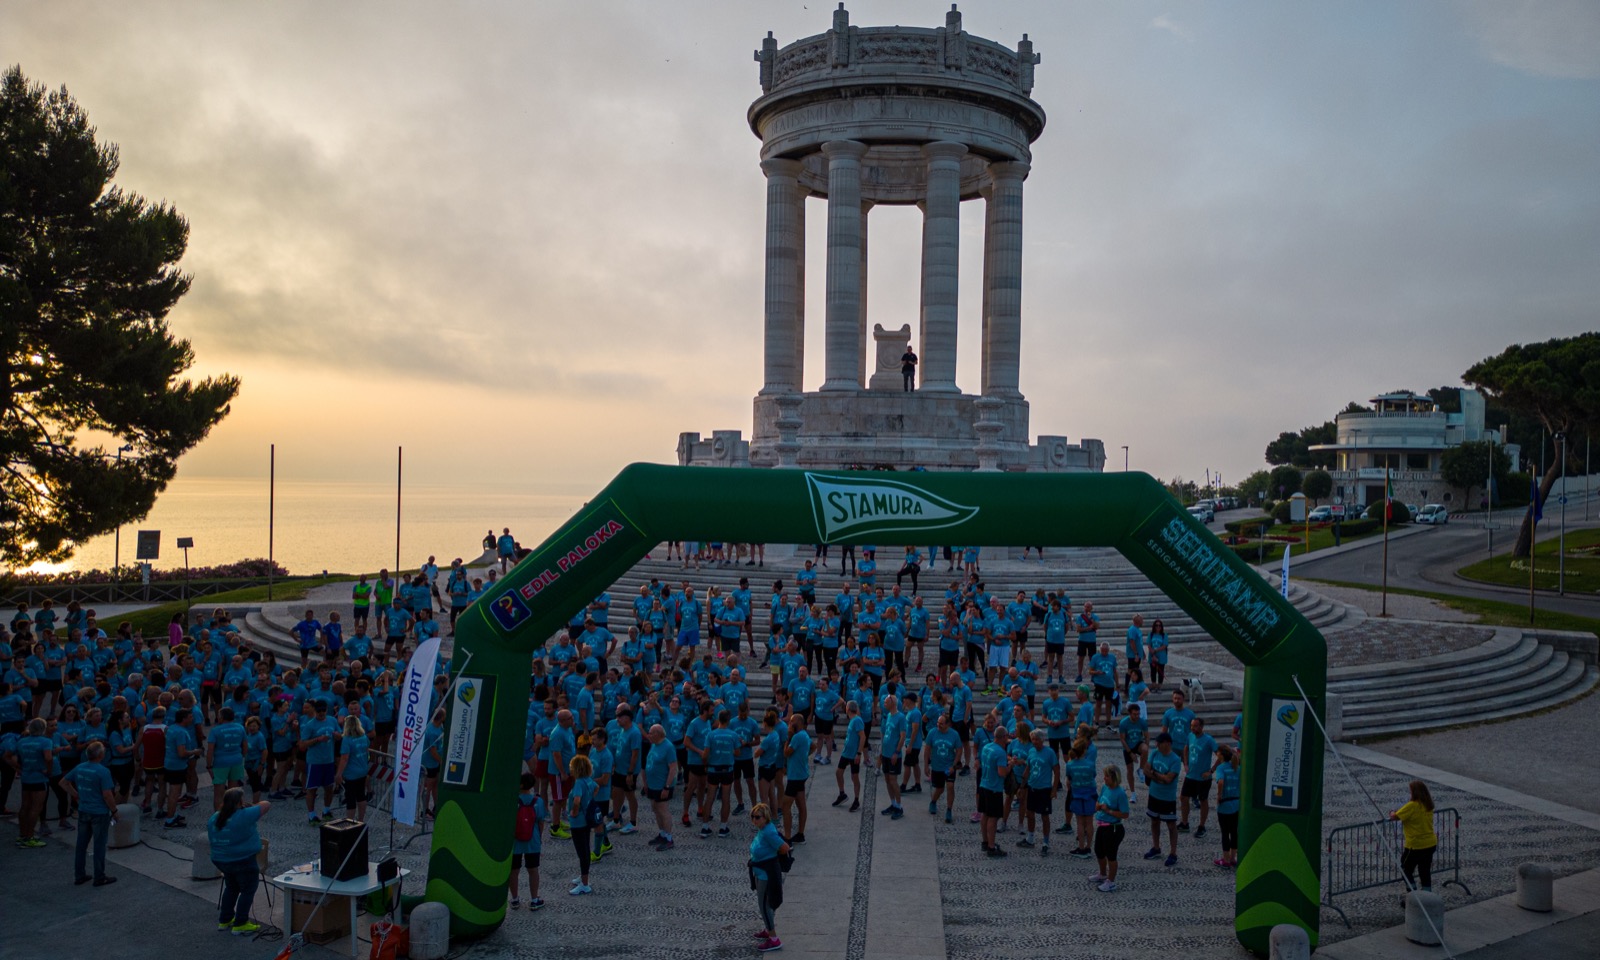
[(941, 239), (783, 252), (843, 319), (986, 191), (863, 371), (800, 289), (1002, 345)]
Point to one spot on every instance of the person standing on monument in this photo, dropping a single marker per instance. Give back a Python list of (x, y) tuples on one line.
[(908, 368)]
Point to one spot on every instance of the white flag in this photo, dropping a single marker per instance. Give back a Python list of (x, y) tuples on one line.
[(415, 695), (1285, 578)]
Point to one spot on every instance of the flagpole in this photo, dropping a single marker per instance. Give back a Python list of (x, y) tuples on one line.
[(1388, 507)]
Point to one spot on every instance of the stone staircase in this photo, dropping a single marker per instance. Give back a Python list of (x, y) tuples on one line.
[(1508, 675)]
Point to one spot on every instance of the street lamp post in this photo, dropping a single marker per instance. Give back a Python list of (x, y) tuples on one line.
[(116, 549), (1561, 541), (1124, 458)]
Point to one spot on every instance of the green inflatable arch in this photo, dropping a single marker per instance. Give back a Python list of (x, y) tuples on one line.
[(1278, 880)]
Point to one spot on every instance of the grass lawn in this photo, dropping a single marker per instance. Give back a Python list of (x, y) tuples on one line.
[(1321, 536), (1495, 613), (1582, 563), (155, 619)]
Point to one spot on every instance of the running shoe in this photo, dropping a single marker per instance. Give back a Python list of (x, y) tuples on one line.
[(1107, 887), (933, 808), (916, 788), (886, 810), (516, 903), (797, 839), (1219, 862), (705, 833), (32, 843), (738, 809), (897, 814), (1083, 853), (664, 846), (769, 945), (535, 903), (1152, 853), (686, 819), (1024, 842), (246, 929), (1172, 860), (949, 817), (1183, 828), (976, 818), (855, 805), (841, 799), (724, 833), (1200, 833), (996, 852), (628, 829), (580, 890), (225, 926), (175, 823), (1064, 828), (1044, 849), (605, 848), (1097, 877), (595, 857), (560, 832), (1001, 828)]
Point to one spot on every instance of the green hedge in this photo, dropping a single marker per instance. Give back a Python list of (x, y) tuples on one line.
[(1251, 524), (1355, 528), (1249, 552)]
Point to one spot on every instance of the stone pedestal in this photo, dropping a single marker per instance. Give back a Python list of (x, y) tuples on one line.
[(1536, 887), (889, 346), (201, 867), (125, 832), (1289, 942), (1424, 917)]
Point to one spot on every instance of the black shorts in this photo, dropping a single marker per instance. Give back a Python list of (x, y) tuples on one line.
[(1021, 639), (696, 769), (1086, 648), (252, 774), (49, 686), (963, 730), (719, 776), (621, 783), (744, 769), (683, 757), (175, 778), (1196, 789), (1054, 647), (1107, 838), (355, 791), (1039, 801), (282, 755), (852, 763), (1130, 756), (1104, 693), (794, 788), (1158, 809), (824, 727), (386, 728), (991, 803), (939, 779), (911, 758), (658, 796), (524, 860), (769, 774), (891, 766), (949, 658)]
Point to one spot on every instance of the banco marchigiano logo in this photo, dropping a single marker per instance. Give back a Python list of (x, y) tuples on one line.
[(850, 508)]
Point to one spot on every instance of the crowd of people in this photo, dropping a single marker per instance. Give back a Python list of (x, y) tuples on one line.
[(656, 721)]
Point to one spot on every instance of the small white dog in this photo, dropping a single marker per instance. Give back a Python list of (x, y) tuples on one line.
[(1195, 689)]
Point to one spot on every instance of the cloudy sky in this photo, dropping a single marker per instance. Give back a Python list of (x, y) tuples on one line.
[(528, 235)]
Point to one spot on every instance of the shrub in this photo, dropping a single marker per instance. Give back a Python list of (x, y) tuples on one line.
[(1280, 512), (1251, 526), (1401, 514), (1249, 552), (1355, 528)]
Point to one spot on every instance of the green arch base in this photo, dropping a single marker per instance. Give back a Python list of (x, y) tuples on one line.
[(1281, 810)]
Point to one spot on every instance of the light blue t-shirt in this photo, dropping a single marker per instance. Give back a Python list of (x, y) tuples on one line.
[(764, 846), (227, 744), (1041, 768), (356, 749), (657, 763), (1228, 775), (989, 761), (1115, 798), (239, 839), (1165, 763), (799, 765), (91, 781)]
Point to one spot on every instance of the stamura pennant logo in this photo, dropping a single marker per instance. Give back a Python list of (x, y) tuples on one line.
[(853, 507)]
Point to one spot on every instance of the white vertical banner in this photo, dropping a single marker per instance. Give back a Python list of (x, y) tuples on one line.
[(415, 695), (1284, 585)]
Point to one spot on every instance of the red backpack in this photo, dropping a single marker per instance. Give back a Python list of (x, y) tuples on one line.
[(154, 743), (527, 820)]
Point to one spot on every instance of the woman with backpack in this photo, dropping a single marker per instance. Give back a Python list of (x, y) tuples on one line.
[(582, 820), (527, 842)]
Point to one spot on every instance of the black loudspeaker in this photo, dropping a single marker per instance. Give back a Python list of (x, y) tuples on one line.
[(388, 869), (344, 842)]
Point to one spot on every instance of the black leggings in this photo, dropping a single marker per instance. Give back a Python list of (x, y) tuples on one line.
[(1413, 862), (580, 842), (911, 570), (1228, 823), (62, 800), (1107, 840)]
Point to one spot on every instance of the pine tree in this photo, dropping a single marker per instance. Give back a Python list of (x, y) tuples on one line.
[(88, 274)]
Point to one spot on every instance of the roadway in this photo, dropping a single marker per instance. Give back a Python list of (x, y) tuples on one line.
[(1428, 560)]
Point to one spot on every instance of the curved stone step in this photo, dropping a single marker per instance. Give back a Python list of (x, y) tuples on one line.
[(1504, 642), (1527, 654), (1545, 664), (1561, 673), (1576, 681)]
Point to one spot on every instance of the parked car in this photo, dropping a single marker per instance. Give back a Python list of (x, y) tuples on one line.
[(1320, 515), (1203, 512), (1433, 513)]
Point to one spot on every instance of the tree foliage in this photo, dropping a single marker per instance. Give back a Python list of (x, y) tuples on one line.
[(1294, 449), (1466, 468), (1556, 382), (1285, 482), (1256, 487), (88, 274), (1318, 485)]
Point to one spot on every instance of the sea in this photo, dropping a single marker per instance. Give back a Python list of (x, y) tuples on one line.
[(340, 527)]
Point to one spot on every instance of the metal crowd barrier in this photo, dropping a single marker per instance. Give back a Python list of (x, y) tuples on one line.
[(1366, 855)]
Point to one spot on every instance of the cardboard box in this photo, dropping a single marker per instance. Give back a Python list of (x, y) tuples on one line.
[(329, 923)]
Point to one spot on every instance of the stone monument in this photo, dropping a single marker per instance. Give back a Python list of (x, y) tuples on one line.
[(861, 116)]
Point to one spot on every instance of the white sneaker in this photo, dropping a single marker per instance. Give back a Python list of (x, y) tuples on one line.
[(516, 903), (580, 890), (1107, 887), (1097, 877)]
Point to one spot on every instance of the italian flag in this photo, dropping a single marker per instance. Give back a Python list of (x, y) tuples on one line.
[(1388, 496)]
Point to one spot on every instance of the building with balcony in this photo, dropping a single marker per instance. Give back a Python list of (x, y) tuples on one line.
[(1404, 436)]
